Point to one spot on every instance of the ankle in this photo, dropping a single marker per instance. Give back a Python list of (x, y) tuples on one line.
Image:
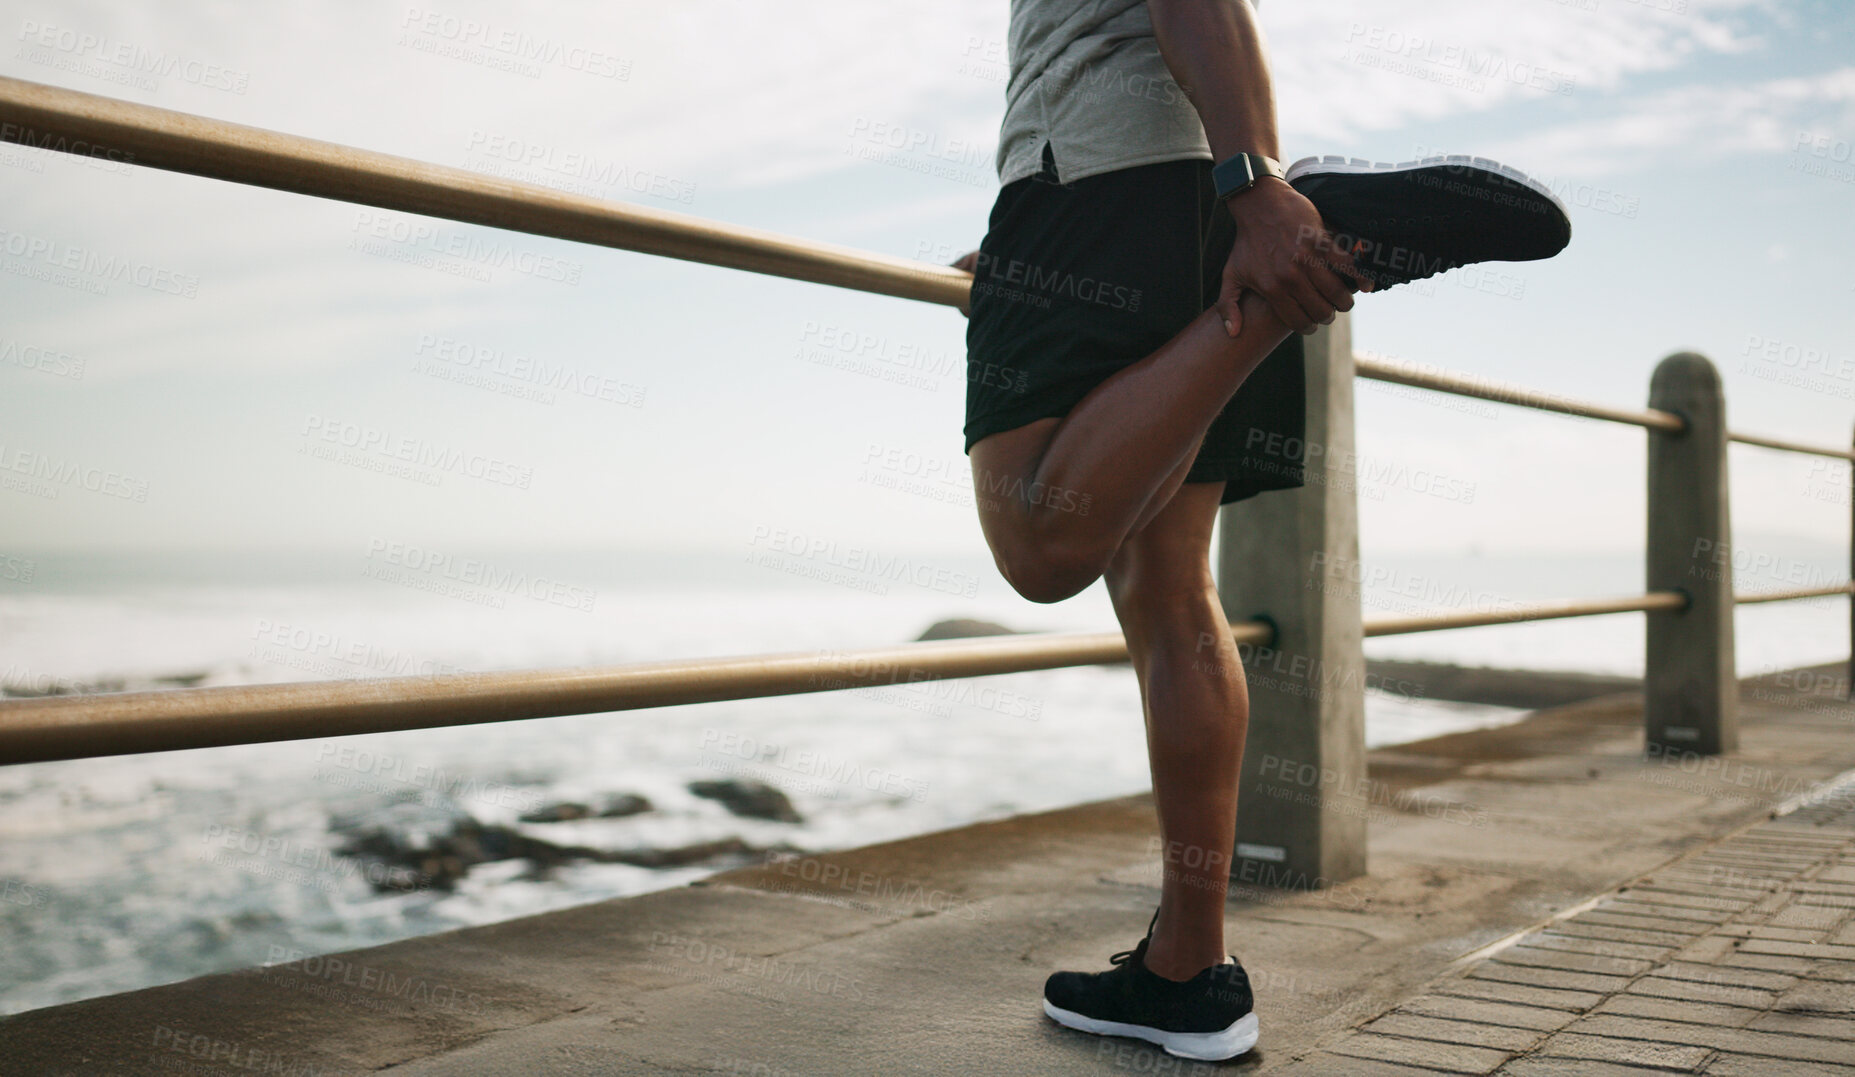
[(1179, 963)]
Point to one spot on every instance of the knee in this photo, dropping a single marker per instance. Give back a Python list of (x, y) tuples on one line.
[(1166, 596), (1046, 571)]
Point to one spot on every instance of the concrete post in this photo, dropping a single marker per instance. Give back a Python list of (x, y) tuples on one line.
[(1691, 686), (1290, 556), (1850, 687)]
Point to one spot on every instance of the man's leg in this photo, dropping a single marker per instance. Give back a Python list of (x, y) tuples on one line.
[(1125, 447), (1197, 713)]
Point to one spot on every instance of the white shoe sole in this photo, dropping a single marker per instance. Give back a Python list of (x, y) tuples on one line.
[(1353, 166), (1198, 1046)]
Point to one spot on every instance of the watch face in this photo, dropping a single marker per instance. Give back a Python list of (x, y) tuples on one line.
[(1234, 175)]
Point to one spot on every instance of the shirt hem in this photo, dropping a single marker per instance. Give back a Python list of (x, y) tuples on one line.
[(1070, 175)]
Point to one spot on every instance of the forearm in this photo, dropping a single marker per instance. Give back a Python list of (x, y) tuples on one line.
[(1214, 51)]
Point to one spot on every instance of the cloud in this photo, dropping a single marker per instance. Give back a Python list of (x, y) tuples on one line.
[(1699, 122), (1348, 68)]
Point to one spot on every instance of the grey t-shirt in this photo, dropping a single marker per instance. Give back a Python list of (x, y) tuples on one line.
[(1087, 77)]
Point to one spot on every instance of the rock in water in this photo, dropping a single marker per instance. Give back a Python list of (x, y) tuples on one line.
[(438, 862), (564, 812), (749, 799), (624, 804), (963, 628), (614, 807)]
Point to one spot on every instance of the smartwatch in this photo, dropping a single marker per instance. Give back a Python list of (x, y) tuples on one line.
[(1238, 173)]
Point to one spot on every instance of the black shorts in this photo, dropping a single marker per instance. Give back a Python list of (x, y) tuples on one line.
[(1077, 280)]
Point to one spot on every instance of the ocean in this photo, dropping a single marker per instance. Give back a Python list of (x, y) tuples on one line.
[(124, 872)]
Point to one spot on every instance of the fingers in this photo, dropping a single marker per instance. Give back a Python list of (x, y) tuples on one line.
[(1341, 259), (1308, 296), (1288, 302), (1331, 287), (1230, 302)]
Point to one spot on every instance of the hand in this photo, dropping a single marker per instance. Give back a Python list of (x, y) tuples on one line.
[(1285, 255), (970, 263)]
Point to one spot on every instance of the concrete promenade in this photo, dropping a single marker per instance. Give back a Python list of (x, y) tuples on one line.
[(1542, 899)]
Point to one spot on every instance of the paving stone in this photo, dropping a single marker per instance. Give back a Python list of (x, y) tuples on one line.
[(1537, 977), (1705, 879), (1666, 912), (1708, 949), (1767, 906), (1703, 884), (1769, 981), (1569, 961), (1542, 1066), (1568, 1000), (1675, 1056), (1798, 949), (1827, 900), (1749, 861), (1655, 896), (1838, 875), (1699, 991), (1578, 944), (1538, 1018), (1774, 934), (1643, 923), (1320, 1065), (1815, 996), (1839, 971), (1577, 926), (1823, 894), (1817, 918), (1796, 966), (1807, 1024), (1743, 1041), (1470, 1033), (1670, 1009), (1737, 1065), (1450, 1057), (1844, 937)]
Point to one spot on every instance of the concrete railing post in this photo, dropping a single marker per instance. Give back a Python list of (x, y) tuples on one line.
[(1690, 684), (1290, 556)]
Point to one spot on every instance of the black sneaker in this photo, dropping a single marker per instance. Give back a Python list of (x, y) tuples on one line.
[(1207, 1017), (1426, 217)]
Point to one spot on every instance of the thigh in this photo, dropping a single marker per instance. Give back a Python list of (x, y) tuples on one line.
[(1003, 464), (1075, 282)]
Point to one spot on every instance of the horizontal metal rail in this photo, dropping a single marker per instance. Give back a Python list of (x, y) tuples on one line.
[(1787, 596), (70, 727), (1443, 381), (1790, 446), (1517, 395), (50, 117), (123, 723), (53, 118), (1540, 611)]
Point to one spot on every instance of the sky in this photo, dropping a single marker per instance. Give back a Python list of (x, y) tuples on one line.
[(215, 395)]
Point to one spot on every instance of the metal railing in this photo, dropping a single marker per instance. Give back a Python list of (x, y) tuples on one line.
[(57, 119)]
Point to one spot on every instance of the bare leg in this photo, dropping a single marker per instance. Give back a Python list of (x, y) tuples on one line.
[(1197, 715), (1058, 497)]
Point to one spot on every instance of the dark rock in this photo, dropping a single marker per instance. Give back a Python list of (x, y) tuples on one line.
[(685, 855), (624, 804), (613, 807), (749, 799), (963, 628), (419, 859), (566, 811)]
